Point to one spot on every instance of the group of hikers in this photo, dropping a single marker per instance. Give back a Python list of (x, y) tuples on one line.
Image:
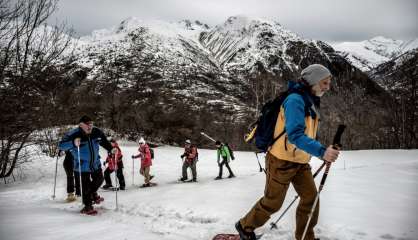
[(81, 148), (287, 158)]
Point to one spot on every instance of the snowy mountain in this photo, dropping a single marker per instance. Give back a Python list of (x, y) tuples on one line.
[(351, 203), (368, 54), (173, 79)]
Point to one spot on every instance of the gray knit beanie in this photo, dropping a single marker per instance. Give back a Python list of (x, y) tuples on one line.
[(314, 73)]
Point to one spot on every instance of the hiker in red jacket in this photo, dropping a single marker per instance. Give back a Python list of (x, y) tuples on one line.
[(190, 156), (112, 167), (146, 162)]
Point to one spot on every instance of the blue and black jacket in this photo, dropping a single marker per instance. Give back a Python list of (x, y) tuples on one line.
[(299, 120), (89, 148)]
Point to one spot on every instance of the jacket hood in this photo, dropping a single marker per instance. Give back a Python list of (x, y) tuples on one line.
[(294, 86)]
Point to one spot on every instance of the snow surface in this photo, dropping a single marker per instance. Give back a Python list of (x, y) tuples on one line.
[(374, 197)]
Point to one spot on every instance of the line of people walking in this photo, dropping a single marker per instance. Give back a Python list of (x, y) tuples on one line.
[(82, 163)]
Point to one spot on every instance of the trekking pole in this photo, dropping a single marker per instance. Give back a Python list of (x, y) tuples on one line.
[(133, 171), (79, 171), (274, 224), (336, 145), (116, 178), (259, 164), (55, 178), (208, 137)]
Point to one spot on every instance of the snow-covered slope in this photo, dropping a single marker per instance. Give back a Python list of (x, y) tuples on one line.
[(245, 44), (368, 54), (368, 196)]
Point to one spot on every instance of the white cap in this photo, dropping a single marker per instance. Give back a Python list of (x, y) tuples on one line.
[(188, 141), (141, 140)]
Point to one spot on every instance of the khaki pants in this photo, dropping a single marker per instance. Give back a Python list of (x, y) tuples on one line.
[(192, 166), (145, 172), (280, 174)]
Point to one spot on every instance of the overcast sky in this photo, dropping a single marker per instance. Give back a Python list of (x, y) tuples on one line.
[(329, 20)]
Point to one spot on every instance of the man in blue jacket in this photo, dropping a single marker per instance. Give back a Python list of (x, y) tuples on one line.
[(287, 161), (84, 142)]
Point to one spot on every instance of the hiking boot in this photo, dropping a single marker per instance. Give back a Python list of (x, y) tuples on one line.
[(194, 180), (218, 178), (89, 210), (146, 185), (183, 179), (151, 177), (107, 186), (71, 197), (122, 188), (231, 176), (243, 234)]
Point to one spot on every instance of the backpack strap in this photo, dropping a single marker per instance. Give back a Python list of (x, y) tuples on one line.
[(308, 105), (276, 138)]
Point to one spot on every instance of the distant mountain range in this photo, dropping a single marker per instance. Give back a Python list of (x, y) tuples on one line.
[(367, 55)]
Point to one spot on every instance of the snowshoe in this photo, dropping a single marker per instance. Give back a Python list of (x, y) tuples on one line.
[(88, 210), (228, 236), (148, 185), (182, 179), (71, 197), (224, 236), (107, 186)]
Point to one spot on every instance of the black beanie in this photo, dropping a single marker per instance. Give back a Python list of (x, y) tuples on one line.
[(85, 119)]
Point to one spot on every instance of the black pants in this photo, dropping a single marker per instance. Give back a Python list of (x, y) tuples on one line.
[(119, 174), (90, 183), (221, 165), (69, 171)]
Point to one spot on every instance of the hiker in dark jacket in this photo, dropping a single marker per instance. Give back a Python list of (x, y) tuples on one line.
[(288, 159), (68, 165), (85, 141)]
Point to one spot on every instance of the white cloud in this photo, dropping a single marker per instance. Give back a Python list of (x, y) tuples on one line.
[(328, 20)]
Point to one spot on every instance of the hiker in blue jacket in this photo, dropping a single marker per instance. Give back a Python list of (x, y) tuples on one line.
[(84, 141), (287, 160)]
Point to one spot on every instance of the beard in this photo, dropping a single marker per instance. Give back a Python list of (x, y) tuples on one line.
[(316, 91), (319, 93)]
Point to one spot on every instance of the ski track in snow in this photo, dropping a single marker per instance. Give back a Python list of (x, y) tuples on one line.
[(351, 203)]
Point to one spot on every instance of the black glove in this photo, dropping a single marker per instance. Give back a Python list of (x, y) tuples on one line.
[(104, 163), (182, 156)]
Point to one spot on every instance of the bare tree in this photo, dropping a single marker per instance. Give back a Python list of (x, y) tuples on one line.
[(28, 49)]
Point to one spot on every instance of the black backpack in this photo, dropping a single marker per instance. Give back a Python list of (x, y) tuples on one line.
[(263, 129), (152, 153), (231, 153)]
